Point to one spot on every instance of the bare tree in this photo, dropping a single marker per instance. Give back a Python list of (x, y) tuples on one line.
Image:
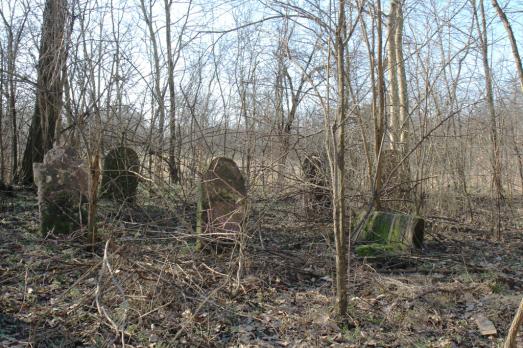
[(14, 37), (172, 58), (337, 162), (512, 39), (494, 137), (147, 13), (48, 106)]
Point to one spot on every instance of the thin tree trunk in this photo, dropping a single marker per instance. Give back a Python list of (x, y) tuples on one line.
[(338, 172), (496, 154), (11, 101), (379, 121), (394, 113), (158, 95), (2, 155), (510, 341), (173, 165), (512, 39), (402, 85)]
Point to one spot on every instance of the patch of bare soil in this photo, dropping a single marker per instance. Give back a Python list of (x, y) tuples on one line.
[(148, 287)]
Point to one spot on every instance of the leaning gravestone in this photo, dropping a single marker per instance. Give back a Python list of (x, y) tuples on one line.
[(62, 182), (221, 203), (390, 233), (120, 181), (317, 196)]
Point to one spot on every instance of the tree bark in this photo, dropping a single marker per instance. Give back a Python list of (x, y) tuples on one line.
[(338, 172), (11, 100), (2, 154), (394, 109), (510, 341), (402, 82), (48, 106), (512, 39), (379, 121), (494, 137), (173, 165), (157, 93)]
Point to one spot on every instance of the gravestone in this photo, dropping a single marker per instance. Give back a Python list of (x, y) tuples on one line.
[(317, 196), (389, 233), (62, 182), (120, 181), (221, 204)]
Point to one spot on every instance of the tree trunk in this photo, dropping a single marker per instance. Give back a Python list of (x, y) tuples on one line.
[(402, 82), (52, 57), (496, 153), (11, 101), (394, 113), (379, 120), (512, 39), (173, 165), (157, 92), (338, 172), (510, 342), (2, 154)]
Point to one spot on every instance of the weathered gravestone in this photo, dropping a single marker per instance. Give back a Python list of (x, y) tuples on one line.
[(221, 203), (62, 182), (390, 233), (317, 197), (120, 181), (396, 180)]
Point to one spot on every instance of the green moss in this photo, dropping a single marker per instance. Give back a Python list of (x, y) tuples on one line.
[(401, 230)]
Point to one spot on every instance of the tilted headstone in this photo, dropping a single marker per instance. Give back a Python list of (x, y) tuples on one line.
[(120, 181), (317, 195), (62, 182), (221, 203), (387, 232)]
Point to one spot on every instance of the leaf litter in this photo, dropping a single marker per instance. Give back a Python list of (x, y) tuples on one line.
[(157, 291)]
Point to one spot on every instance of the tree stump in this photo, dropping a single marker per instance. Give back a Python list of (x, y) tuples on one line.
[(317, 197), (221, 204), (387, 232), (62, 182), (120, 181)]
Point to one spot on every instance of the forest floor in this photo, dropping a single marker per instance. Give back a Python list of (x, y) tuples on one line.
[(148, 287)]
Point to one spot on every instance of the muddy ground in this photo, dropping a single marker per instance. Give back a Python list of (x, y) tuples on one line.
[(148, 287)]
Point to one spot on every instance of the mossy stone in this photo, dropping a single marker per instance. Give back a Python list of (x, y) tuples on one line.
[(400, 231), (61, 214), (62, 182), (120, 181)]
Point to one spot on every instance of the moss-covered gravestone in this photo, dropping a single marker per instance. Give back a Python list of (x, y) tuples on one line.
[(387, 232), (120, 181), (62, 182), (317, 196), (221, 203)]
